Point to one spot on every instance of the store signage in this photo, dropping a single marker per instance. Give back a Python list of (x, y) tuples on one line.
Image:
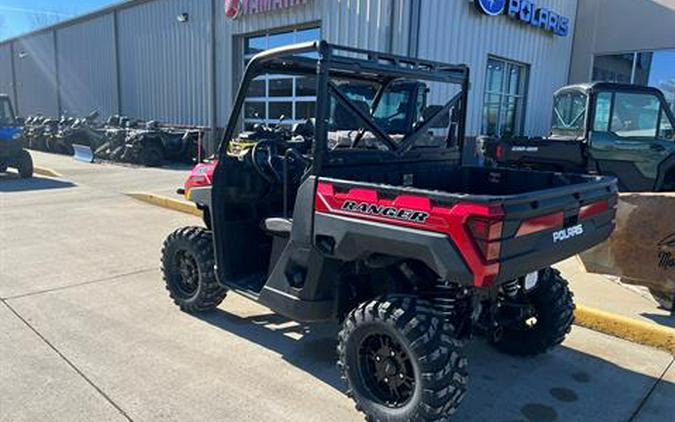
[(237, 8), (527, 11)]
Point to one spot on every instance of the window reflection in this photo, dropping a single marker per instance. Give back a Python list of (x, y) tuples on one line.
[(271, 97), (651, 68)]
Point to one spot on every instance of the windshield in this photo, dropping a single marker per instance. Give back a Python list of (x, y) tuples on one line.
[(569, 114), (6, 114), (396, 112)]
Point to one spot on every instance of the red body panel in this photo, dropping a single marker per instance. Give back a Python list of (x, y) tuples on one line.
[(407, 211), (200, 176)]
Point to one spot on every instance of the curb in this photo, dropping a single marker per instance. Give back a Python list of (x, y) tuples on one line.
[(165, 202), (641, 332), (44, 171)]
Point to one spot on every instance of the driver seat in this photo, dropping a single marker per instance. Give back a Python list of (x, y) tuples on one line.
[(278, 226)]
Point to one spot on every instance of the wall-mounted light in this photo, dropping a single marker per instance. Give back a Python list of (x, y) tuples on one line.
[(183, 17)]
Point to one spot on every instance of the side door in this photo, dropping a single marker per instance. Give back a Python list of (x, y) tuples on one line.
[(627, 138), (8, 125)]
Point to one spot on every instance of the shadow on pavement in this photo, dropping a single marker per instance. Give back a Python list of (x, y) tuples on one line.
[(10, 182), (665, 320), (563, 384), (310, 347)]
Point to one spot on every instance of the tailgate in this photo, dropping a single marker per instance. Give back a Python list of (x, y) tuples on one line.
[(541, 229)]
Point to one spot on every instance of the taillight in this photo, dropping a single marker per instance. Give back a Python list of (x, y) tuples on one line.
[(593, 209), (499, 151), (487, 233)]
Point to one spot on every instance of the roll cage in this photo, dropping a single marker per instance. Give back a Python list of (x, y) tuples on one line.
[(328, 61)]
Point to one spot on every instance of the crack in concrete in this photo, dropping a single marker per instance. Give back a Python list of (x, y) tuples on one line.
[(645, 399), (69, 362), (84, 283)]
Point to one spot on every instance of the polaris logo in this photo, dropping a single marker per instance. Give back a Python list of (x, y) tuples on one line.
[(568, 233), (386, 211)]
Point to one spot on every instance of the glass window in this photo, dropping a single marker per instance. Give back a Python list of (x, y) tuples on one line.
[(281, 87), (255, 110), (258, 87), (603, 107), (6, 115), (666, 127), (305, 110), (504, 99), (279, 95), (635, 115), (279, 110), (650, 68), (305, 86), (613, 68), (569, 114)]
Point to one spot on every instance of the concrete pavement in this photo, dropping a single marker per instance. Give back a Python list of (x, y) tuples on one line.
[(87, 331)]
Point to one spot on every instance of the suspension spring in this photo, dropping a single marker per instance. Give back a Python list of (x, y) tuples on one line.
[(451, 302), (511, 288)]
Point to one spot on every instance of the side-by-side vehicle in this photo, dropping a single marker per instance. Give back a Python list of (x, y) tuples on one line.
[(12, 153), (360, 218)]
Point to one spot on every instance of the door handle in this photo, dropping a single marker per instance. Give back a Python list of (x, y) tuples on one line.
[(657, 147)]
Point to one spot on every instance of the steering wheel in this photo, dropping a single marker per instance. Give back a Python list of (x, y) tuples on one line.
[(263, 156)]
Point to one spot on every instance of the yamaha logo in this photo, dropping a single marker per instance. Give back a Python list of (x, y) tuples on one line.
[(491, 7), (233, 8)]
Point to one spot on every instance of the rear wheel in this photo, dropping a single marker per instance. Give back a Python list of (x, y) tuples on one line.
[(401, 363), (24, 164), (188, 268), (152, 155), (533, 323)]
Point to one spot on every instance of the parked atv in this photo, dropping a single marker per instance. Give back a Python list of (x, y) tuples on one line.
[(82, 131), (410, 252), (12, 153), (116, 130)]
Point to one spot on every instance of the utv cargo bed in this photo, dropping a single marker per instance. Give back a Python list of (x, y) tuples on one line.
[(503, 223)]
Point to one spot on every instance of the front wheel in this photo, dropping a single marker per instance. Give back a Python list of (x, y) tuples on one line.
[(24, 164), (189, 270), (401, 363), (535, 322)]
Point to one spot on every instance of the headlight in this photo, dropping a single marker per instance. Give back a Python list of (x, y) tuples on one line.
[(17, 135)]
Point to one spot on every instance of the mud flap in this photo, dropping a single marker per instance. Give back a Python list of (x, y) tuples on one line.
[(83, 153)]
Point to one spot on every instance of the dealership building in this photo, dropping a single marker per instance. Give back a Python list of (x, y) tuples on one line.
[(179, 61)]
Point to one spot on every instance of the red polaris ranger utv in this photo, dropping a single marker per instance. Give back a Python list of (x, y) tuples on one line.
[(354, 217)]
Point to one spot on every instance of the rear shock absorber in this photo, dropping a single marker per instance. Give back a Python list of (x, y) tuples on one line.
[(452, 303), (511, 288)]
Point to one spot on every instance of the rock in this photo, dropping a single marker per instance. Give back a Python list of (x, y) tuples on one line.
[(642, 248)]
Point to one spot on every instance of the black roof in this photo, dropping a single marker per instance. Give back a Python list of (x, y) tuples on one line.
[(591, 87), (357, 63)]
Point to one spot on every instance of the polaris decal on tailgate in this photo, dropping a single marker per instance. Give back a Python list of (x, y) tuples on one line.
[(568, 233), (385, 211)]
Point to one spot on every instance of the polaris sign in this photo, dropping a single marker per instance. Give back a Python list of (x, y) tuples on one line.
[(527, 12)]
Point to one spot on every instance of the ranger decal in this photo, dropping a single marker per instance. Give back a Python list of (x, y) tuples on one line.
[(386, 211)]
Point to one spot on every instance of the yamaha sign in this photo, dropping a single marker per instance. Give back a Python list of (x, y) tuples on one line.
[(527, 12), (237, 8)]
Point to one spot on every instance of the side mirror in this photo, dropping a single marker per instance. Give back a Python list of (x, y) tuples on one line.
[(429, 112)]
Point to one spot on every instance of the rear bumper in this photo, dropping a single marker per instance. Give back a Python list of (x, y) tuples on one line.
[(540, 250)]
